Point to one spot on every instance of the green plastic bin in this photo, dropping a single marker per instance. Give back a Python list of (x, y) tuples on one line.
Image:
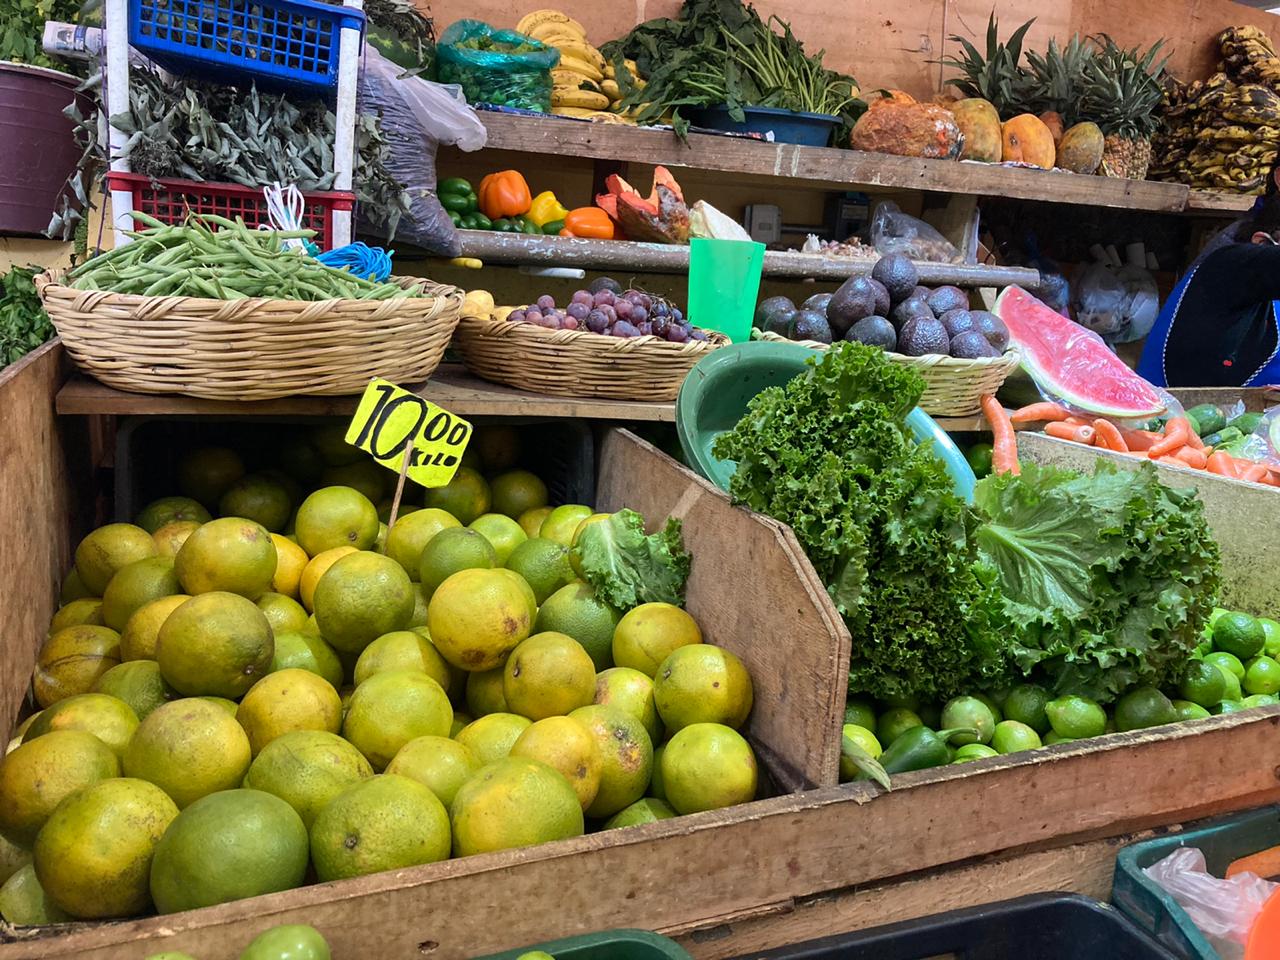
[(1222, 841), (609, 945)]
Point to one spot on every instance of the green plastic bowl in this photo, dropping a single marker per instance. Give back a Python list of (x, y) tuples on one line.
[(609, 945), (715, 394)]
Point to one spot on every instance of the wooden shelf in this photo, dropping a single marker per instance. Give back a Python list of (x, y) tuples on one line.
[(451, 387), (494, 247), (1219, 203)]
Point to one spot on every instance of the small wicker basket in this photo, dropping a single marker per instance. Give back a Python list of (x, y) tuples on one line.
[(252, 349), (953, 387), (578, 363)]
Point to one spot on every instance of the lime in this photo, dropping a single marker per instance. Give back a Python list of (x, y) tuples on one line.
[(1229, 706), (1227, 661), (1240, 634), (1052, 737), (1202, 683), (1144, 707), (1075, 718), (1186, 710), (894, 722), (1025, 703), (1011, 736), (969, 712), (973, 751), (294, 941), (861, 712), (1217, 614), (911, 703), (1270, 630), (1203, 648), (1260, 700), (1262, 675), (992, 704), (979, 457), (865, 739)]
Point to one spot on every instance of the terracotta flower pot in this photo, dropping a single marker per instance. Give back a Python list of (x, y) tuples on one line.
[(37, 149)]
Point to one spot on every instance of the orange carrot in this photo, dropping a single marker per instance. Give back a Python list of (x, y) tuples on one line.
[(1271, 479), (1045, 411), (1004, 445), (1139, 440), (1193, 438), (1254, 473), (1076, 433), (1192, 457), (1109, 436), (1223, 464), (1176, 436), (1077, 421), (1171, 461)]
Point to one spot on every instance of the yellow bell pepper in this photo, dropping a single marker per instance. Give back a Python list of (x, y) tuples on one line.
[(545, 209)]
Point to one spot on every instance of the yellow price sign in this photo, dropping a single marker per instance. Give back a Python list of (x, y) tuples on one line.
[(391, 424)]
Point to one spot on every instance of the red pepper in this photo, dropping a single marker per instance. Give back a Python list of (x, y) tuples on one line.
[(590, 222), (504, 194)]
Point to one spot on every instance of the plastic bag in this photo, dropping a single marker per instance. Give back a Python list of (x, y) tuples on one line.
[(1098, 300), (417, 115), (471, 54), (893, 231), (1224, 910)]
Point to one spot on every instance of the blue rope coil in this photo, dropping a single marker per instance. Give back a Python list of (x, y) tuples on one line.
[(371, 263)]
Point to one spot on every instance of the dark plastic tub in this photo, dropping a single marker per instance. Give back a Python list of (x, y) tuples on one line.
[(610, 945), (787, 126), (1052, 926), (37, 149)]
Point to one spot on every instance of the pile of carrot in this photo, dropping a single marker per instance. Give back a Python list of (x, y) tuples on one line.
[(1178, 444)]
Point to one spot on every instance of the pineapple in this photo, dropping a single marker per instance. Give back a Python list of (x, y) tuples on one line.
[(1056, 79), (997, 77), (1122, 94)]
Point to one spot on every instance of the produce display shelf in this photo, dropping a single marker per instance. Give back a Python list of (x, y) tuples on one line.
[(1219, 203), (824, 165), (494, 247)]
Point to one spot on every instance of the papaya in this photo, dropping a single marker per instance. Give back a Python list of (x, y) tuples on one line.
[(980, 124), (1028, 140), (1081, 148), (1053, 120)]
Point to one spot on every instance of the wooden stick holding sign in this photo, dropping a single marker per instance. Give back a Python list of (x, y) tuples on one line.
[(409, 435)]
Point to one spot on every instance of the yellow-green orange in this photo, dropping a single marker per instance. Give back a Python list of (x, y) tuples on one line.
[(307, 769), (228, 846), (285, 701), (656, 788), (567, 746), (484, 692), (411, 534), (215, 644), (589, 521), (291, 560), (108, 549), (40, 774), (477, 617), (364, 475), (648, 634), (700, 683), (23, 901), (575, 610), (548, 675), (544, 564), (93, 855), (205, 473), (330, 442), (514, 802), (229, 554), (644, 810), (108, 718), (531, 521), (707, 766), (451, 550), (189, 748), (285, 614), (73, 588), (138, 683), (496, 445), (626, 754), (316, 568), (438, 763), (516, 492), (167, 510), (138, 638), (290, 941), (259, 498), (306, 651), (86, 611), (403, 650), (466, 496), (170, 538), (135, 586), (501, 531), (336, 517), (361, 597), (561, 523), (71, 661), (390, 709), (387, 822), (492, 736), (632, 692)]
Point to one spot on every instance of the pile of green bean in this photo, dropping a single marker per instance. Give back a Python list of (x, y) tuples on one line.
[(232, 262)]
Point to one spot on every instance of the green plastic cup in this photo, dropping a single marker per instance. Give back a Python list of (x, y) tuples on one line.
[(724, 280)]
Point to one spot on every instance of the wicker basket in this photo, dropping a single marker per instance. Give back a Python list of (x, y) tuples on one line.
[(253, 349), (578, 363), (953, 388)]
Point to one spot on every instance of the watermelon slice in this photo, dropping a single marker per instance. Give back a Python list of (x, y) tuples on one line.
[(1072, 363)]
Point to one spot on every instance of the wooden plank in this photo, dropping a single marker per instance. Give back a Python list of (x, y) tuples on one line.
[(754, 592), (452, 387), (695, 870), (494, 247), (822, 165), (1219, 203), (1236, 512)]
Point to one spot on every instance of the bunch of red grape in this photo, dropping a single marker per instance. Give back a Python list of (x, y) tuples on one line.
[(606, 309)]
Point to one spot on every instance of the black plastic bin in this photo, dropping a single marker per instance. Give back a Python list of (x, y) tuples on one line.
[(1054, 926)]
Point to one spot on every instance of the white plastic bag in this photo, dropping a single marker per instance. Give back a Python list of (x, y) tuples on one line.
[(1224, 910), (442, 116)]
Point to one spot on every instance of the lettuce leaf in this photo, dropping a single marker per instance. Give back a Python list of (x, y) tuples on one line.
[(628, 568)]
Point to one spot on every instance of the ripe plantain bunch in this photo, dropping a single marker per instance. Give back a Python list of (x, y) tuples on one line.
[(583, 83), (1224, 133)]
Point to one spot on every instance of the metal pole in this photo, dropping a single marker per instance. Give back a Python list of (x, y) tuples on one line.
[(117, 101), (344, 140)]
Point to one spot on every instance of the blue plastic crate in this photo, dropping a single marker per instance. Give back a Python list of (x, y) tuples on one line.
[(277, 43)]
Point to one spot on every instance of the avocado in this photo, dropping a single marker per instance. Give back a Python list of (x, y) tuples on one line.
[(875, 332), (818, 302), (897, 274), (971, 345), (945, 299), (991, 327), (923, 335), (920, 291), (810, 325), (767, 308), (957, 322), (855, 299), (911, 307), (604, 283)]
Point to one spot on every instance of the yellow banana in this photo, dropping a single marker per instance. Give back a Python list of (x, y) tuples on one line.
[(569, 61), (609, 88), (561, 97), (557, 33), (572, 80), (532, 20)]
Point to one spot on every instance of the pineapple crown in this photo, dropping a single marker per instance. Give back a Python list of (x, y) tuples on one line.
[(1056, 78), (1122, 92), (998, 76)]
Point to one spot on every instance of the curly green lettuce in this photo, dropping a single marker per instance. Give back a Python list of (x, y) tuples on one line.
[(628, 568)]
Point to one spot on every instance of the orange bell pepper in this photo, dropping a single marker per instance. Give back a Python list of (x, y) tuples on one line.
[(590, 222), (504, 194)]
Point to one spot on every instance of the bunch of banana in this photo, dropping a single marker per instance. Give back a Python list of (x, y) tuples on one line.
[(1249, 55), (583, 84)]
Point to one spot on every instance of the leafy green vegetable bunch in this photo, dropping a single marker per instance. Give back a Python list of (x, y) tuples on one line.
[(628, 568), (1108, 579), (23, 323), (22, 28), (831, 455)]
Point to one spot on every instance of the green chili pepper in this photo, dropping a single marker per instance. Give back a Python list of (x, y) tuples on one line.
[(503, 225), (455, 185), (552, 228), (482, 222), (455, 217), (529, 227), (458, 202), (918, 749)]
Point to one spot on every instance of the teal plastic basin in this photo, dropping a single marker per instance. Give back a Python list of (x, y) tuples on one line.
[(609, 945), (715, 394)]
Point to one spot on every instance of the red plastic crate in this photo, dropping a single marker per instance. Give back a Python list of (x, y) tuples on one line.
[(170, 200)]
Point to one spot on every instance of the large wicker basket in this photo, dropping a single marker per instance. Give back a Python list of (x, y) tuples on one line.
[(252, 349), (953, 387), (578, 363)]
